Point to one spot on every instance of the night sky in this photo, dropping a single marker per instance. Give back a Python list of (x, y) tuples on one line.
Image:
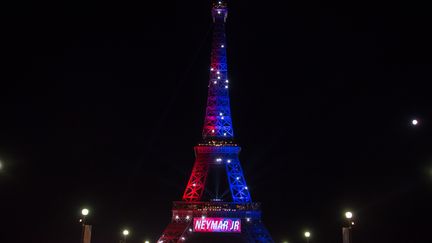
[(102, 102)]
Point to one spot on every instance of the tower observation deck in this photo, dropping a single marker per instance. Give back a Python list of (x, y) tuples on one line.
[(233, 219)]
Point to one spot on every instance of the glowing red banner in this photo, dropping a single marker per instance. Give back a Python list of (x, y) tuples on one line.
[(226, 225)]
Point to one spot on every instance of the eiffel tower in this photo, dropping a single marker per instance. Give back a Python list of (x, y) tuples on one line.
[(203, 213)]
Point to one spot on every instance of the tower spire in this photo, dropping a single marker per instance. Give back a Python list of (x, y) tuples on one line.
[(218, 122)]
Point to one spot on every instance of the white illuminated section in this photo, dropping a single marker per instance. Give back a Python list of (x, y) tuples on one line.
[(85, 212), (229, 161), (307, 234), (226, 86), (414, 122), (125, 232), (218, 160), (223, 46), (348, 215)]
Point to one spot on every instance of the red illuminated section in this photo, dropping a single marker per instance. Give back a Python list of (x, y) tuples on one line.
[(221, 225)]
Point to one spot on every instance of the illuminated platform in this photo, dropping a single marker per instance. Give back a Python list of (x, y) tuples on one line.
[(187, 216), (216, 238)]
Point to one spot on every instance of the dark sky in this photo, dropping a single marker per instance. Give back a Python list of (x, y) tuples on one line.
[(102, 102)]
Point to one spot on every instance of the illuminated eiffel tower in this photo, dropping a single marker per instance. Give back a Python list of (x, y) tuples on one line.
[(237, 219)]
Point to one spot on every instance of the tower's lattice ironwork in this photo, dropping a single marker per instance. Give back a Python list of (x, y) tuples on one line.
[(217, 150)]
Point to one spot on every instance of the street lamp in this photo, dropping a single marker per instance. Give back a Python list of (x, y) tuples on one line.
[(307, 234), (346, 229), (125, 234), (84, 213)]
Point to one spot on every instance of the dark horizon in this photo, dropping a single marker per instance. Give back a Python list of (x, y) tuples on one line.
[(102, 104)]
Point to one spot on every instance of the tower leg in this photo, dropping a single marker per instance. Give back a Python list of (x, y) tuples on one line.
[(256, 232), (175, 232), (239, 190), (195, 187)]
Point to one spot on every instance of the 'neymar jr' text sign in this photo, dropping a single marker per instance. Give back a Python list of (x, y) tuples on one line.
[(226, 225)]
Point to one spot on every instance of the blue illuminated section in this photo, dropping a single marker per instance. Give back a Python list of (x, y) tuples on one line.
[(218, 121), (238, 187), (239, 190)]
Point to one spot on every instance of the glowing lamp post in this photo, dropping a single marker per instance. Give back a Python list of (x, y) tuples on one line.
[(125, 235), (307, 235), (346, 230), (86, 229)]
